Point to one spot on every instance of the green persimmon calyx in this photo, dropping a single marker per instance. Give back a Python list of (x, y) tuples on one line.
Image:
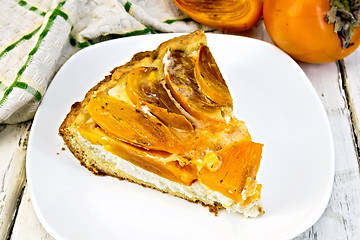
[(345, 15)]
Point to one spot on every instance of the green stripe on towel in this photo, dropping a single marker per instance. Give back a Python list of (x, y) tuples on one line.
[(73, 41), (127, 6), (134, 33), (29, 7), (83, 44), (56, 12), (29, 89), (170, 21), (12, 46)]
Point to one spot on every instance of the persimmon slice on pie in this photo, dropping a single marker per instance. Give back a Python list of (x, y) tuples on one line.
[(165, 120)]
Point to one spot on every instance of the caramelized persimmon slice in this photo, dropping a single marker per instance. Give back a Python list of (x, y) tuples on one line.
[(209, 77), (228, 15), (239, 161), (139, 83), (172, 120), (144, 88), (132, 125), (154, 161), (179, 73), (143, 83)]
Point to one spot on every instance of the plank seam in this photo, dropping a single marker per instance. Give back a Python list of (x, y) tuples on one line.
[(345, 93), (23, 141), (12, 224)]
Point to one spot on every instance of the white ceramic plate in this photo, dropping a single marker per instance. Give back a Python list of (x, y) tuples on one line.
[(271, 94)]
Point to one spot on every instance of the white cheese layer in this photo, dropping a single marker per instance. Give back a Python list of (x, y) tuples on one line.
[(197, 190)]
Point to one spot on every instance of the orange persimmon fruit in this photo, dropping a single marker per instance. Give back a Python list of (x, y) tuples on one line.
[(305, 30)]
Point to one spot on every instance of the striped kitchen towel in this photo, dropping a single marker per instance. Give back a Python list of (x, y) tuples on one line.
[(38, 36)]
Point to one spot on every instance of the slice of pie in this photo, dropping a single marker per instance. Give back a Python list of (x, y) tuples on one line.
[(165, 120)]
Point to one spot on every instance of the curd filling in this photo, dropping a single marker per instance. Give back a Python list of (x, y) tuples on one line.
[(197, 191)]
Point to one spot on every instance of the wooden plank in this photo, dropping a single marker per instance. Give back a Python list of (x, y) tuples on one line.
[(352, 89), (13, 141), (27, 225), (341, 218)]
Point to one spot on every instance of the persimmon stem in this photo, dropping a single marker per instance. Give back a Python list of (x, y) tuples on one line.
[(345, 15)]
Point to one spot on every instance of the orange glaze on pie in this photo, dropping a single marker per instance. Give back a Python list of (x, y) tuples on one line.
[(206, 144)]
